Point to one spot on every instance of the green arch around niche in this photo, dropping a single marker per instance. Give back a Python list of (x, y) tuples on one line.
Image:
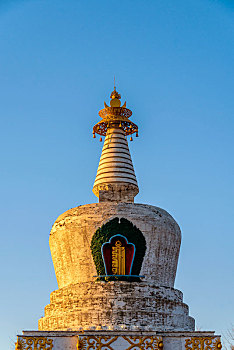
[(112, 228)]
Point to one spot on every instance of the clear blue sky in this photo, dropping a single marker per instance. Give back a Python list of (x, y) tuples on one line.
[(174, 64)]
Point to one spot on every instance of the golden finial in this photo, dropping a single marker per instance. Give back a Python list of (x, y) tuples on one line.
[(115, 94), (115, 97), (115, 115)]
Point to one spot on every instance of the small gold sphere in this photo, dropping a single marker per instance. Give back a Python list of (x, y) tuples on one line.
[(160, 345), (219, 346), (115, 102)]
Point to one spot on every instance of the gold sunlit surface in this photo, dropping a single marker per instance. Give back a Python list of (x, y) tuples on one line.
[(115, 115)]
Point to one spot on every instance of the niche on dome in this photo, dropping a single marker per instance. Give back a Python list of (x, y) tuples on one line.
[(118, 248)]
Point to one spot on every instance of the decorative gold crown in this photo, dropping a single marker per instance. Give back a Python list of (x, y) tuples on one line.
[(115, 115), (115, 94)]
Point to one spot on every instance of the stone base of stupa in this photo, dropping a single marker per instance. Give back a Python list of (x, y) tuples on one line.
[(119, 340), (116, 306)]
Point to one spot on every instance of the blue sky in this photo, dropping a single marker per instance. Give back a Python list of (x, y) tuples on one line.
[(173, 62)]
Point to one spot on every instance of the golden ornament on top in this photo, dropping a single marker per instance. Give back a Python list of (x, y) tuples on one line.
[(115, 115), (115, 94)]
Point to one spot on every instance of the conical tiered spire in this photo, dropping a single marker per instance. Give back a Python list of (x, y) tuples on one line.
[(116, 179)]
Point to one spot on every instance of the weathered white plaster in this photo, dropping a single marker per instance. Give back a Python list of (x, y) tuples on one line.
[(115, 169), (71, 236), (82, 303), (116, 306)]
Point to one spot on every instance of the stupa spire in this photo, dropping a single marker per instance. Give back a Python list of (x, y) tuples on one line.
[(115, 179)]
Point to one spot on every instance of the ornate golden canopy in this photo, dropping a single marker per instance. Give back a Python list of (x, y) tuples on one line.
[(115, 114)]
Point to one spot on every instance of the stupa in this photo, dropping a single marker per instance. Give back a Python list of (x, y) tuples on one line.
[(115, 262)]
